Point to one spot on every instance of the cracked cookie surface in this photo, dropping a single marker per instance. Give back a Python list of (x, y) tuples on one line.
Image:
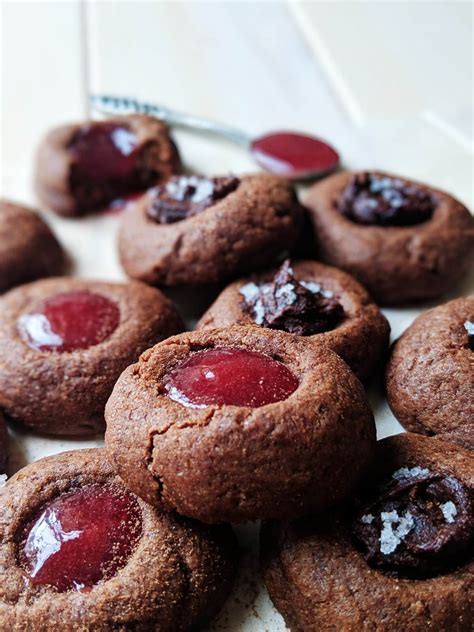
[(222, 463), (245, 230)]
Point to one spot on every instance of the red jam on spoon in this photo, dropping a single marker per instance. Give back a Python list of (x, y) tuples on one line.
[(82, 537), (294, 155), (105, 151), (233, 377), (70, 321)]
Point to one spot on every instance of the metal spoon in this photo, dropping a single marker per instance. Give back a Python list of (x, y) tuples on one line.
[(290, 154)]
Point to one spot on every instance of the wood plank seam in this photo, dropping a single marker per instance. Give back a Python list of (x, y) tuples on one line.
[(324, 58)]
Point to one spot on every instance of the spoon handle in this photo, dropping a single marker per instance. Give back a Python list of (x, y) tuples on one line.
[(112, 105)]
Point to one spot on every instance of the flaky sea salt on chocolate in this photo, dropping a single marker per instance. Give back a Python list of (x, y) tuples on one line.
[(449, 511), (299, 307), (406, 472), (392, 535), (367, 519)]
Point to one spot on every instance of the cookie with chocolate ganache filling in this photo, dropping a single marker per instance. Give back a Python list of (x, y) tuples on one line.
[(64, 342), (82, 167), (28, 248), (403, 240), (310, 299), (240, 423), (195, 230), (430, 374), (400, 557), (78, 551)]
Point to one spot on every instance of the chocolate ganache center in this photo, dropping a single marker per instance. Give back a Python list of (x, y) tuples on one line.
[(418, 524), (298, 307), (183, 196), (384, 201)]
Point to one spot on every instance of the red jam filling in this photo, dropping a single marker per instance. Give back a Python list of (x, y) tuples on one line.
[(294, 155), (233, 377), (105, 150), (70, 321), (82, 537)]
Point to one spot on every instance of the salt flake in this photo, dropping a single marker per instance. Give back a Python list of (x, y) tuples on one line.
[(367, 519), (449, 511), (259, 312), (406, 472), (249, 291), (312, 286), (287, 293), (394, 529)]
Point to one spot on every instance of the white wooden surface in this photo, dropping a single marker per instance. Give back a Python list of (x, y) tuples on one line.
[(389, 83)]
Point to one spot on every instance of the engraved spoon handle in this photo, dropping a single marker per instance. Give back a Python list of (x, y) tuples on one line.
[(112, 105)]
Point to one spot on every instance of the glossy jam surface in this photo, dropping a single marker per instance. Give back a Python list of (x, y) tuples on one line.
[(81, 537), (70, 321), (232, 377), (294, 155), (104, 150)]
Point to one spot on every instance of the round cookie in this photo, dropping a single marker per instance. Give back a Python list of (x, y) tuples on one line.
[(123, 566), (64, 342), (400, 559), (403, 240), (82, 167), (196, 230), (237, 424), (28, 248), (430, 374), (309, 299)]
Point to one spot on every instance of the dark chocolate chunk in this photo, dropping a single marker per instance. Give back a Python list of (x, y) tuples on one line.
[(380, 200), (184, 196), (418, 524), (298, 307)]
